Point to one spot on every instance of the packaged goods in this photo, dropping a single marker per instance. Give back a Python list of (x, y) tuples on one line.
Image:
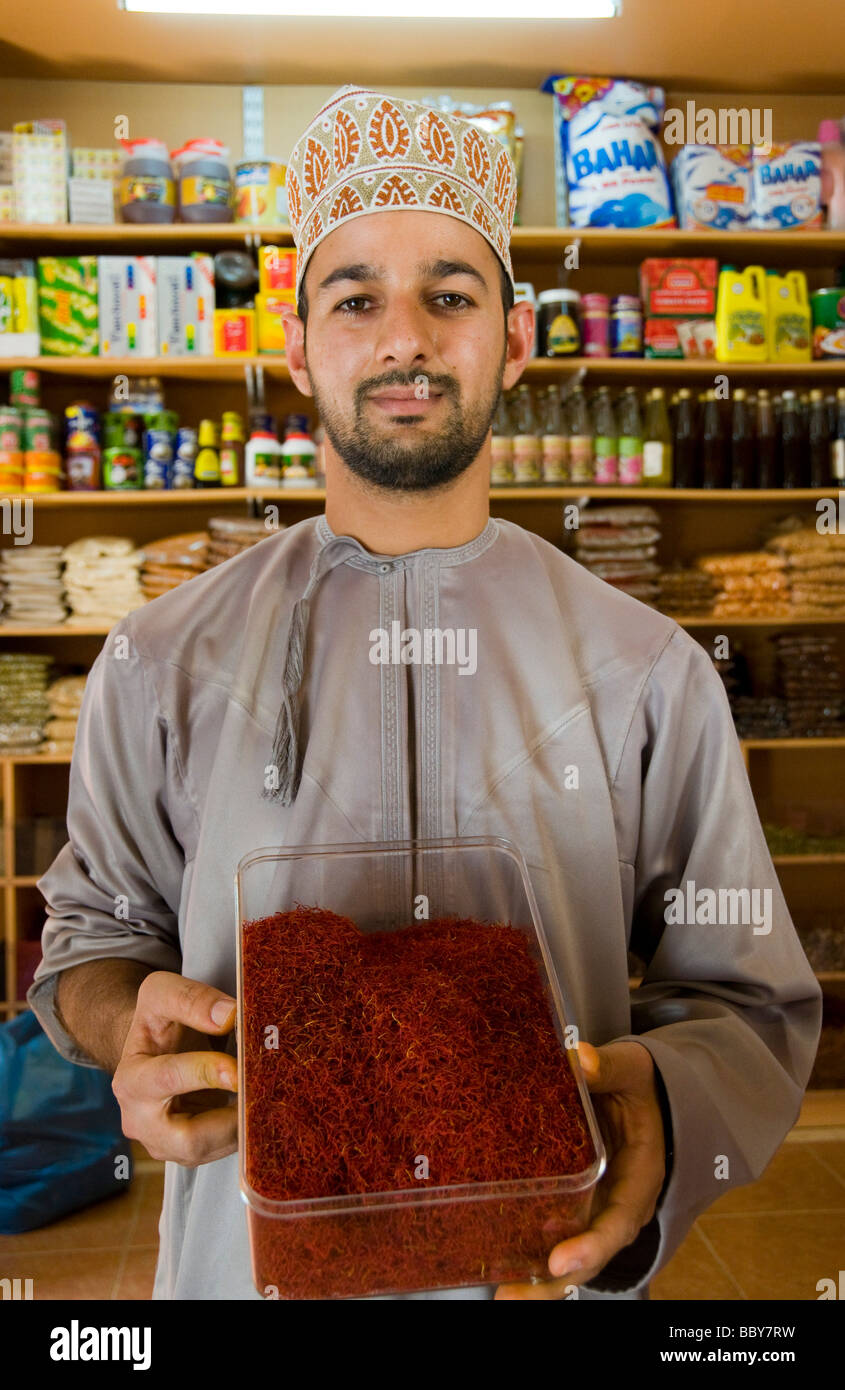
[(234, 333), (558, 323), (615, 171), (626, 326), (832, 145), (277, 270), (786, 186), (712, 186), (595, 325), (261, 193), (147, 186), (68, 306), (827, 308), (205, 182), (185, 298), (270, 326), (789, 328), (128, 307), (679, 287), (742, 315), (39, 171)]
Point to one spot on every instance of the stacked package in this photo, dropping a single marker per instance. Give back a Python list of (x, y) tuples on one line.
[(686, 591), (815, 567), (64, 697), (171, 561), (750, 584), (23, 702), (33, 590), (228, 536), (619, 545), (810, 678), (101, 579)]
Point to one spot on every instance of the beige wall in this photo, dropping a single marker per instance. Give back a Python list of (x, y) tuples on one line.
[(176, 113)]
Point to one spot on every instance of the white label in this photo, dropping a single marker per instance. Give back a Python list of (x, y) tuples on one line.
[(838, 459), (652, 458)]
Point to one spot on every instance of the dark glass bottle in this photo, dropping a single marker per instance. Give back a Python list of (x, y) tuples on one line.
[(819, 441), (768, 470), (714, 471), (793, 443), (687, 471), (742, 442)]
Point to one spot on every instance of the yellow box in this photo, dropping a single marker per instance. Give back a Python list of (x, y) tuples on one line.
[(271, 326), (234, 332), (277, 269)]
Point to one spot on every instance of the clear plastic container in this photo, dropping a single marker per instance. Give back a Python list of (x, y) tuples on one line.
[(438, 1237)]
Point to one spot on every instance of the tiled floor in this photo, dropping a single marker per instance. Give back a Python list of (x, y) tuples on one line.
[(773, 1240)]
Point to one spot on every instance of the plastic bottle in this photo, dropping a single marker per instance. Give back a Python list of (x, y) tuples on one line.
[(630, 438), (687, 471), (147, 187), (263, 454), (527, 446), (714, 469), (232, 449), (833, 173), (580, 438), (501, 469), (298, 454), (789, 326), (205, 181), (793, 443), (742, 442), (555, 441), (657, 442), (741, 315), (605, 439), (207, 464), (768, 471)]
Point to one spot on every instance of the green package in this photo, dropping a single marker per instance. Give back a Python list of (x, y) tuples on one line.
[(67, 306)]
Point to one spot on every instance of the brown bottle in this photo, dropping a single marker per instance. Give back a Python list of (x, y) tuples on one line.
[(768, 471), (819, 440), (687, 471), (793, 442), (714, 460), (742, 442)]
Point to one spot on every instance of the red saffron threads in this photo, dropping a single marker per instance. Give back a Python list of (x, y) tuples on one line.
[(431, 1042)]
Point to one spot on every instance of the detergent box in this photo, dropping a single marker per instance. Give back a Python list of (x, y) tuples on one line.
[(607, 148), (786, 186), (673, 286), (128, 307), (185, 297), (712, 185), (68, 305)]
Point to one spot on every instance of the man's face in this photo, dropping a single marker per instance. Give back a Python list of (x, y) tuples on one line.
[(405, 345)]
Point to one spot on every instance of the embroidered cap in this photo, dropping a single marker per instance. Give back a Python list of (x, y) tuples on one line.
[(366, 152)]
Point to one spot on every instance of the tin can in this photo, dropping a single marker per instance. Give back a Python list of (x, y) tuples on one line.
[(827, 307), (626, 326), (11, 470), (260, 193), (159, 446), (184, 458), (38, 429), (122, 468), (11, 428), (24, 386), (7, 304), (42, 471), (84, 469), (595, 325)]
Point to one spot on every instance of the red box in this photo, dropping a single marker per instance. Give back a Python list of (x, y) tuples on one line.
[(678, 287)]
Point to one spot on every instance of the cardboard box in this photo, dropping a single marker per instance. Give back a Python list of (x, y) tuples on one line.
[(269, 321), (39, 165), (276, 269), (128, 308), (234, 333), (683, 336), (676, 287), (68, 318), (186, 305), (91, 201)]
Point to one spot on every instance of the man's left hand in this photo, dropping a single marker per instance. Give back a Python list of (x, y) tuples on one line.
[(620, 1076)]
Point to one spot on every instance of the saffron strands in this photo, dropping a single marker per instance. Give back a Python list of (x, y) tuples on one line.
[(433, 1042)]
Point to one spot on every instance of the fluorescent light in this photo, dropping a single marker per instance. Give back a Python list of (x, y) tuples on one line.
[(381, 9)]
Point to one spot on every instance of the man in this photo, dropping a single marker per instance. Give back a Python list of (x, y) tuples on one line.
[(244, 709)]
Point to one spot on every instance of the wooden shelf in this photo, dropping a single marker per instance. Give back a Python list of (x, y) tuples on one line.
[(548, 368), (797, 743), (151, 497), (703, 621), (789, 860), (539, 493), (188, 234)]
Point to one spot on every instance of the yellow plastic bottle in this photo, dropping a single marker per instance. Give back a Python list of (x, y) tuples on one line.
[(790, 331), (741, 315)]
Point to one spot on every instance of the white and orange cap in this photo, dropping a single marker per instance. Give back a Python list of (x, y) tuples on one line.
[(366, 152)]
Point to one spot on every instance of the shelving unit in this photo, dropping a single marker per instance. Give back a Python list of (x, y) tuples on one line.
[(692, 521)]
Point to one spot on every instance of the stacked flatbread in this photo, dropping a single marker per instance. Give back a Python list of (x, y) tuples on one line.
[(33, 590), (101, 579), (64, 697), (810, 679), (23, 702), (815, 566), (171, 561), (228, 536), (749, 584), (619, 545)]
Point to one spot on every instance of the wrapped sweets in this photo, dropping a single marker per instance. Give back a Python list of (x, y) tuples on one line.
[(33, 590), (815, 567), (619, 545), (64, 698), (171, 561), (23, 702), (228, 536), (687, 591), (809, 676), (749, 584), (101, 578)]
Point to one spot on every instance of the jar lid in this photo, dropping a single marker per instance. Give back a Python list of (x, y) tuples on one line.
[(626, 301), (558, 297), (596, 301)]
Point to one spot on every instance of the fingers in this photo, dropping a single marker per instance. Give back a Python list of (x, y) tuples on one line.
[(635, 1179), (145, 1087), (617, 1066), (549, 1289), (167, 1001)]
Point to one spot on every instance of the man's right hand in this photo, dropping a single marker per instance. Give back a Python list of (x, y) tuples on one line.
[(168, 1080)]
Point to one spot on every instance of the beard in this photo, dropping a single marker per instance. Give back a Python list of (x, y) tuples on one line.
[(412, 456)]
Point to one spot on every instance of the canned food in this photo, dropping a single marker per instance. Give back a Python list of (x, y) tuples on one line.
[(11, 428), (42, 470), (24, 386), (37, 430), (182, 473), (122, 468), (7, 304), (595, 325), (626, 326)]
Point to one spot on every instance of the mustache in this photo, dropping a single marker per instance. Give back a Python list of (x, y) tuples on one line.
[(445, 384)]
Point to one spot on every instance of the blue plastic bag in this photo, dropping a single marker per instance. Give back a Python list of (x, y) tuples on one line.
[(60, 1133)]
